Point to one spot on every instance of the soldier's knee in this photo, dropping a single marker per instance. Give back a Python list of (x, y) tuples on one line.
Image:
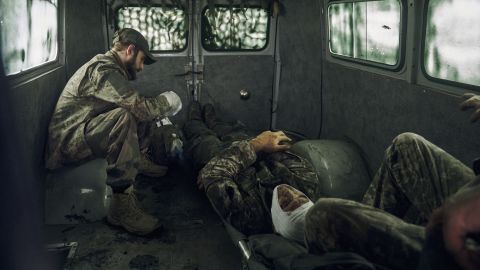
[(123, 115), (125, 121), (407, 138)]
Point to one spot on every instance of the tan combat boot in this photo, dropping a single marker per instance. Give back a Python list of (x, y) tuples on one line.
[(125, 211), (149, 168)]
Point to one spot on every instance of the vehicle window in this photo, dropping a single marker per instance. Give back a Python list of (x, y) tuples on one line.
[(29, 31), (164, 28), (452, 41), (366, 30), (235, 28)]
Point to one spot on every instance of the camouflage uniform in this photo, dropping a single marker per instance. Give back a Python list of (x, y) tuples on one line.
[(239, 183), (415, 173), (99, 114)]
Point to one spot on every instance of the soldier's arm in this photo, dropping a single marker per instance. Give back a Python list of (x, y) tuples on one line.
[(112, 87), (240, 155), (228, 164), (219, 175)]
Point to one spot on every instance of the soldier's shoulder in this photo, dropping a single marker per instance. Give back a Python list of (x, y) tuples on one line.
[(101, 63), (102, 59)]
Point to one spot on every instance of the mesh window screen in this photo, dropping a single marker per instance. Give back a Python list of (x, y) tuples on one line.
[(452, 41), (235, 29), (165, 28), (366, 30), (29, 31)]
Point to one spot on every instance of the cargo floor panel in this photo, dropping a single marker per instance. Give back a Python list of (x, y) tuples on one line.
[(192, 236)]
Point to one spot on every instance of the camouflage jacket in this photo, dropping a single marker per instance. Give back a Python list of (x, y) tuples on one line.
[(239, 184), (100, 85)]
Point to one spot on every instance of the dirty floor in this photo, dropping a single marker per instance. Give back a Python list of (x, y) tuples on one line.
[(192, 236)]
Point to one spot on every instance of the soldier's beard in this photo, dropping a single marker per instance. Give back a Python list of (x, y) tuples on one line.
[(131, 70)]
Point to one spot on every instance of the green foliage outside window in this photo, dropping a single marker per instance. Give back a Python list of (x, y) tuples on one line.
[(366, 30), (235, 29), (452, 41), (165, 28), (29, 31)]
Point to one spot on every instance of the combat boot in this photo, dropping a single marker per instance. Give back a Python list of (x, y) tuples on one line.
[(150, 168), (209, 115), (125, 211)]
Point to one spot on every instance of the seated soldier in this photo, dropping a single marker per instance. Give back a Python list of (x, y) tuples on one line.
[(239, 172), (414, 173), (99, 114)]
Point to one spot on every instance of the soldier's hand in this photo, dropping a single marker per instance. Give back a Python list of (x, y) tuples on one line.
[(460, 218), (472, 101), (269, 141)]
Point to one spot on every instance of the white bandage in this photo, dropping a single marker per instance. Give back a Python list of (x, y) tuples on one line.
[(290, 225), (174, 101)]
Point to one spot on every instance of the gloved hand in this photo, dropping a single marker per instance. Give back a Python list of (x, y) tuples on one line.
[(174, 101)]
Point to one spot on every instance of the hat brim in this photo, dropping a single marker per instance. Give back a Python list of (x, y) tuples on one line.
[(149, 59)]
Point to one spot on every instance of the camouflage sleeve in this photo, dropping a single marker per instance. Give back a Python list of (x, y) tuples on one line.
[(297, 172), (111, 86), (228, 163), (221, 176)]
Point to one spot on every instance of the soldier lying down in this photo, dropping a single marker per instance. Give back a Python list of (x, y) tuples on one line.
[(240, 171)]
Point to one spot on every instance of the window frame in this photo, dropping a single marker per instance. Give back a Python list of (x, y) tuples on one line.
[(246, 51), (187, 27), (402, 39), (32, 73), (437, 81)]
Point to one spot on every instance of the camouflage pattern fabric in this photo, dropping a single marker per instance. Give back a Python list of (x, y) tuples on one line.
[(347, 226), (414, 173), (239, 183), (96, 116)]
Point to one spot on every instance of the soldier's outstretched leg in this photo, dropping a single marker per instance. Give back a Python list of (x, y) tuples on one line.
[(348, 226), (202, 142), (113, 135), (227, 131), (415, 173)]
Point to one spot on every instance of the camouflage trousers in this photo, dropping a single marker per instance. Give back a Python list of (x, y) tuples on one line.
[(414, 173), (117, 137)]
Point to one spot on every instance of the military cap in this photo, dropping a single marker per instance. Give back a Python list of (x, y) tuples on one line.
[(129, 35)]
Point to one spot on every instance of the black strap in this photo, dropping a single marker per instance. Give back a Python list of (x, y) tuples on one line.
[(329, 261)]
